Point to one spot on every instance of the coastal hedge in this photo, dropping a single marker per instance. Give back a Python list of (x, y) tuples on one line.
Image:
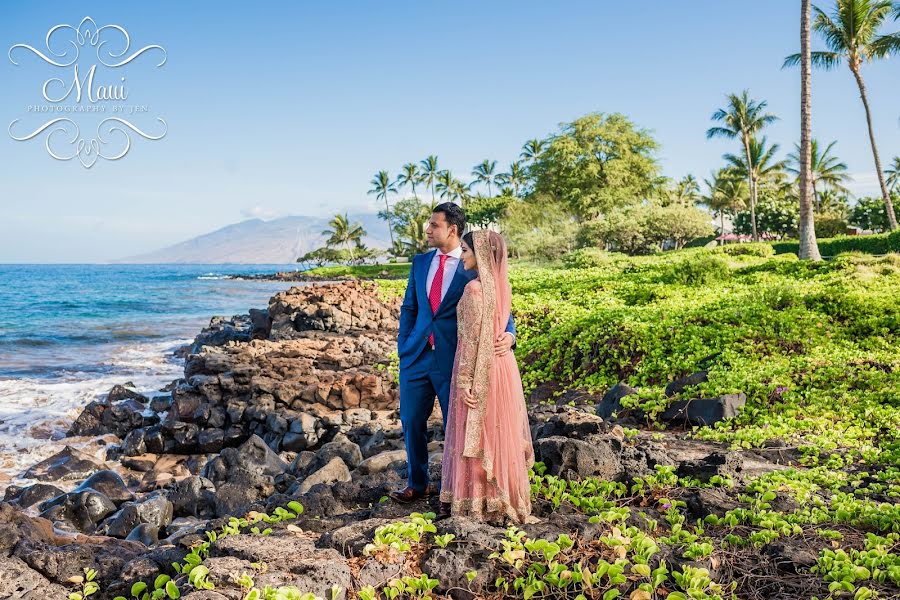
[(881, 243)]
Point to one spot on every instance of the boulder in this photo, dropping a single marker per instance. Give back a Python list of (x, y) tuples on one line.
[(336, 470), (156, 510), (193, 496), (32, 494), (65, 465), (704, 411), (109, 483), (576, 459), (79, 510), (394, 459), (612, 400)]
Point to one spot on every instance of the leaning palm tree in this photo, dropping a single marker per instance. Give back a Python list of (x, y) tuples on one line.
[(484, 173), (430, 174), (728, 194), (532, 149), (344, 233), (826, 169), (893, 174), (410, 175), (742, 119), (851, 34), (514, 179), (381, 187), (806, 150)]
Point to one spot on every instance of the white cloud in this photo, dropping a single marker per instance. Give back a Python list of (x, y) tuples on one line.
[(258, 212)]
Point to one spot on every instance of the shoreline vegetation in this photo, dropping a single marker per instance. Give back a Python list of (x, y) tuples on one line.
[(708, 422)]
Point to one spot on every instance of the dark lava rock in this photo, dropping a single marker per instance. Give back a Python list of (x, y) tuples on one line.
[(222, 330), (32, 494), (679, 384), (120, 412), (154, 510), (576, 459), (65, 465), (576, 424), (243, 475), (144, 533), (303, 432), (260, 323), (108, 483), (340, 447), (81, 510), (705, 411), (612, 400), (725, 464), (791, 555), (121, 392), (710, 501), (193, 497)]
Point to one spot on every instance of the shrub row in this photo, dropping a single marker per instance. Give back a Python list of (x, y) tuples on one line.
[(881, 243)]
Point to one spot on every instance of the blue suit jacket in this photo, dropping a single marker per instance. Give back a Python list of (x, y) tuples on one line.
[(417, 322)]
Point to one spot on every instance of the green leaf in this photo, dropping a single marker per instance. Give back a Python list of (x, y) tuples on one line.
[(613, 593), (75, 596), (137, 588), (172, 590)]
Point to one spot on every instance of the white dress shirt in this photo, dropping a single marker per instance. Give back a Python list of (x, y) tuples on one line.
[(453, 258)]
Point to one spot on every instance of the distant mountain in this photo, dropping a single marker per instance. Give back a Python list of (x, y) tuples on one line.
[(263, 242)]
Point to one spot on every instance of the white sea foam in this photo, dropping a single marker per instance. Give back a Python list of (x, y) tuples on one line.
[(35, 413)]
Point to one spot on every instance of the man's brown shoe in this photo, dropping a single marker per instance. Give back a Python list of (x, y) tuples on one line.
[(406, 495), (445, 511)]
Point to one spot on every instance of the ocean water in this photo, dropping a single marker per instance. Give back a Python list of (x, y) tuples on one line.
[(68, 333)]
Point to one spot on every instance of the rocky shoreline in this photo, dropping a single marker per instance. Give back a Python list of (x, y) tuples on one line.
[(298, 403)]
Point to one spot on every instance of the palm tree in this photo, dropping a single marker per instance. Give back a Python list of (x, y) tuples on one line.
[(381, 187), (344, 233), (687, 191), (893, 174), (763, 166), (809, 248), (851, 35), (727, 195), (430, 174), (484, 173), (445, 185), (532, 149), (515, 178), (410, 175), (742, 119), (825, 169), (414, 236)]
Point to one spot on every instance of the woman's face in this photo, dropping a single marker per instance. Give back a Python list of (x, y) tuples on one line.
[(468, 257)]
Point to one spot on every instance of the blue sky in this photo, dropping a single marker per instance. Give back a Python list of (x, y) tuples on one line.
[(278, 108)]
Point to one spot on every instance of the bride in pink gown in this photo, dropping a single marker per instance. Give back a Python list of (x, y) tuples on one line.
[(487, 447)]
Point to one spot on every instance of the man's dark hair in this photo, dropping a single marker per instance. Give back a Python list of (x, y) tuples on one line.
[(454, 215)]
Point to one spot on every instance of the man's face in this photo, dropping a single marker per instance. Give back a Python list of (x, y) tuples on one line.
[(438, 230)]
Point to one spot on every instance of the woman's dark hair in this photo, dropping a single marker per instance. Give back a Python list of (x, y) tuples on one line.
[(454, 215), (469, 240)]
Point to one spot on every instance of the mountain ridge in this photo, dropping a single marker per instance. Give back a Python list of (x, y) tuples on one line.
[(256, 241)]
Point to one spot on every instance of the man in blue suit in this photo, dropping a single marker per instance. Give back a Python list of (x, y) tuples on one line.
[(426, 342)]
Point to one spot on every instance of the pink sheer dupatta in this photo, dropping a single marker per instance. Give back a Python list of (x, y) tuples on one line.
[(488, 449)]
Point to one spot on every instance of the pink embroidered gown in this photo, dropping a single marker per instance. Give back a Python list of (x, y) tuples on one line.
[(495, 485)]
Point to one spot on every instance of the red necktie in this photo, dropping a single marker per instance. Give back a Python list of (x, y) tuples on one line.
[(434, 296)]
